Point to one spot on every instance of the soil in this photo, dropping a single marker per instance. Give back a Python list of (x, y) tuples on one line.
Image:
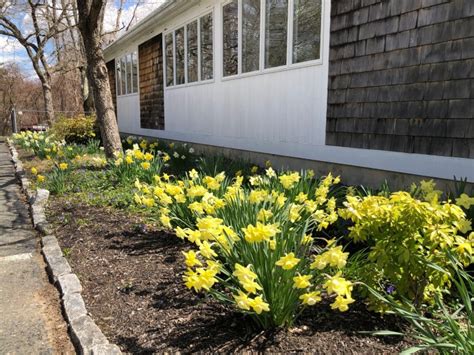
[(131, 274)]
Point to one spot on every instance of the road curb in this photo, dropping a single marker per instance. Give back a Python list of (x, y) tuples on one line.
[(85, 334)]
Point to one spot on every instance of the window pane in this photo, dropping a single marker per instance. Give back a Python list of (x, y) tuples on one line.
[(250, 35), (118, 78), (276, 22), (129, 74), (192, 33), (123, 66), (231, 38), (207, 53), (179, 52), (306, 30), (169, 59), (135, 71)]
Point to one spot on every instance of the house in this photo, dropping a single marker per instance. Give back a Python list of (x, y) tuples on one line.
[(370, 89)]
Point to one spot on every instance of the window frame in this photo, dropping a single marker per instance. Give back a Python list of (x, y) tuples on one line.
[(184, 25), (289, 59), (118, 83)]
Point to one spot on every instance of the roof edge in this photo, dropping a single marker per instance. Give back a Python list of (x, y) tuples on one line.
[(162, 13)]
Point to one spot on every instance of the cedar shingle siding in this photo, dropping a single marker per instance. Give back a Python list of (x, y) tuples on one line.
[(402, 76), (150, 65), (113, 86)]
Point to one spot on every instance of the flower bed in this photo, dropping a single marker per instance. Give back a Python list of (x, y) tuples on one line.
[(263, 249)]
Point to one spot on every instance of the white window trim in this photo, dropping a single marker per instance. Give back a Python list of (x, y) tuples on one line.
[(135, 91), (289, 62), (173, 31)]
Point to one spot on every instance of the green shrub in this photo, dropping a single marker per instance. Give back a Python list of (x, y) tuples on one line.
[(77, 130)]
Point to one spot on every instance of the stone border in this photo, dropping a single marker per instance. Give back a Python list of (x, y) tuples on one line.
[(85, 334)]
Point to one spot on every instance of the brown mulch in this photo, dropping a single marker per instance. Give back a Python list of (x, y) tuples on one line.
[(132, 280)]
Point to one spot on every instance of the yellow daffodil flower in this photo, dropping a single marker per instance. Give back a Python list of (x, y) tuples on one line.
[(302, 281), (242, 301), (259, 305), (288, 262), (311, 298), (342, 303), (191, 259)]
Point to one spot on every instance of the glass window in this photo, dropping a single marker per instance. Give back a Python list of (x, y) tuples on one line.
[(276, 23), (169, 59), (118, 79), (207, 53), (179, 52), (135, 72), (123, 67), (129, 74), (192, 36), (250, 35), (306, 30), (231, 38)]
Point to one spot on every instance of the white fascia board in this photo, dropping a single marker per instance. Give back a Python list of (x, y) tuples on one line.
[(416, 164), (147, 28)]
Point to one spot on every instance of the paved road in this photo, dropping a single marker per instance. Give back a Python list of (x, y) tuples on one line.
[(30, 318)]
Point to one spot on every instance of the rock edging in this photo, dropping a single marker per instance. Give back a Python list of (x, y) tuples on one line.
[(85, 334)]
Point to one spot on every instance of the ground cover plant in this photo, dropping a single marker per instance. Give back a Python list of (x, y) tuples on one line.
[(271, 245)]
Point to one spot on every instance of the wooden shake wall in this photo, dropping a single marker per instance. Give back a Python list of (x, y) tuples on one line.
[(402, 76), (150, 64)]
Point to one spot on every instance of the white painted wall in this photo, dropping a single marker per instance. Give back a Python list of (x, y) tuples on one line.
[(282, 113)]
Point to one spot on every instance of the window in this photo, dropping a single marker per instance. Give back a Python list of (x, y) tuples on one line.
[(250, 35), (231, 38), (127, 74), (207, 51), (306, 30), (169, 50), (189, 52), (118, 77), (192, 36), (123, 66), (266, 34), (135, 71), (179, 54), (276, 22)]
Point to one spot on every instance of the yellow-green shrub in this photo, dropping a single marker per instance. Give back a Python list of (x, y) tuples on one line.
[(254, 245), (79, 130), (405, 236)]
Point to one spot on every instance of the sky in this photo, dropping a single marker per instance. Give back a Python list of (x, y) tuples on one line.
[(12, 51)]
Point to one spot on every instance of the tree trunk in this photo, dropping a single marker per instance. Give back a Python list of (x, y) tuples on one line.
[(87, 96), (48, 103), (90, 16)]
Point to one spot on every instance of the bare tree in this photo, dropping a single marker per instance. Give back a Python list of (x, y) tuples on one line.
[(34, 39), (91, 16)]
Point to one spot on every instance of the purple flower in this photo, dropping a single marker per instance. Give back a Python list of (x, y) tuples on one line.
[(390, 289)]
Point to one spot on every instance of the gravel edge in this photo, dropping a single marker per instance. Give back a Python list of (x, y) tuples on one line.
[(85, 334)]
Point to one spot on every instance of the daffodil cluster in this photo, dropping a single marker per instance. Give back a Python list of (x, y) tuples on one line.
[(41, 144), (406, 236), (136, 163), (254, 239)]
